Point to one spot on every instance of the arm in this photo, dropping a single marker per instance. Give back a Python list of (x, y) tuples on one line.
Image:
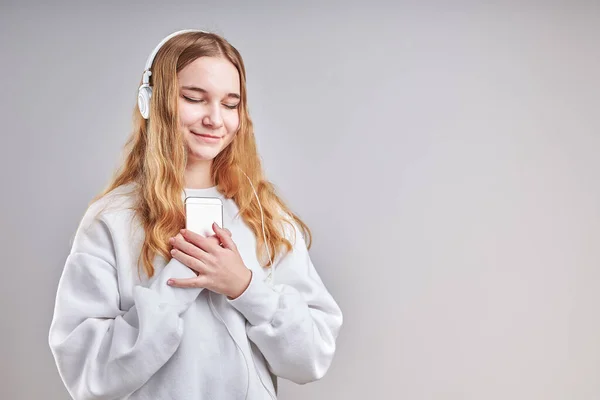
[(295, 324), (101, 351)]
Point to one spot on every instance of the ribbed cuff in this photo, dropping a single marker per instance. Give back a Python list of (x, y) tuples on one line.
[(258, 303)]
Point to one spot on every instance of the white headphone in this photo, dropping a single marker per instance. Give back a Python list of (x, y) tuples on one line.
[(145, 90)]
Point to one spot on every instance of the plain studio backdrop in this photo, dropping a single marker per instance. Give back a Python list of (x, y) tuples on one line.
[(444, 155)]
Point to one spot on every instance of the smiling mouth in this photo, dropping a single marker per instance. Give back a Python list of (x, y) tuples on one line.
[(206, 136)]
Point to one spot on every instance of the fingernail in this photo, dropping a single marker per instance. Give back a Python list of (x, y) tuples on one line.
[(170, 282), (173, 252), (171, 240), (182, 231)]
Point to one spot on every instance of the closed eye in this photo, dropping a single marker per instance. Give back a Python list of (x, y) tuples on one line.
[(231, 107), (193, 100)]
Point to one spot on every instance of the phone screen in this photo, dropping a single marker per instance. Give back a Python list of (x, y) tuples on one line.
[(201, 212)]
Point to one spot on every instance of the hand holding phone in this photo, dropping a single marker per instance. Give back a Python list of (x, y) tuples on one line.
[(224, 272)]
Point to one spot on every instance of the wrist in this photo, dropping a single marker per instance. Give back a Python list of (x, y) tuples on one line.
[(244, 283)]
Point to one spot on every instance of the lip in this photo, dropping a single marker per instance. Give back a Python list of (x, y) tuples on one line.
[(206, 137)]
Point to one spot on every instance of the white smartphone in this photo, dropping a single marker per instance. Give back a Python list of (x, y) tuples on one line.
[(201, 212)]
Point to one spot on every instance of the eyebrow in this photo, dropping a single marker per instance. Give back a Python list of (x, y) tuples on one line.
[(203, 91)]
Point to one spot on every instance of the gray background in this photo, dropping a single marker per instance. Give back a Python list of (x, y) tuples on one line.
[(445, 156)]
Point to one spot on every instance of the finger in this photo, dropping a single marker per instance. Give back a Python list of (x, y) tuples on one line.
[(198, 282), (180, 243), (173, 239), (215, 238), (189, 261), (225, 238), (226, 231), (200, 241)]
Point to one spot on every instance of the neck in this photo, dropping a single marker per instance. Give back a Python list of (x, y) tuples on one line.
[(197, 174)]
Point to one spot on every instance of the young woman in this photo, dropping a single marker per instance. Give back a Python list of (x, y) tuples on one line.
[(147, 310)]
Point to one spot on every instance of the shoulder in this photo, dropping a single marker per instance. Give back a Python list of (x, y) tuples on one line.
[(291, 230), (103, 214), (119, 200)]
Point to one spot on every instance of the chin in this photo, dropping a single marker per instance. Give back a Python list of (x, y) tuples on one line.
[(203, 154)]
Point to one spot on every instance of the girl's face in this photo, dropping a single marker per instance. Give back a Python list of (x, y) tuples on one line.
[(209, 95)]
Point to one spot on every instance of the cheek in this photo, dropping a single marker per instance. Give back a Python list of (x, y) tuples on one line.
[(187, 114), (232, 122)]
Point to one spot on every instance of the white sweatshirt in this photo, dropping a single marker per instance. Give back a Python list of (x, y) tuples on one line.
[(116, 336)]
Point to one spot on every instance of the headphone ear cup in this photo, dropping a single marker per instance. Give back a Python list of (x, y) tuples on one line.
[(144, 95)]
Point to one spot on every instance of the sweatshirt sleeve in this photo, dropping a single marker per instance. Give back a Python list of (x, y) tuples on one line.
[(102, 351), (296, 322)]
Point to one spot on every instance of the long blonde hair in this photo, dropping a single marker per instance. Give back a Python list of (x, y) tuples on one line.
[(155, 157)]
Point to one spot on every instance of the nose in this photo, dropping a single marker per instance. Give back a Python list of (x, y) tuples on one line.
[(213, 118)]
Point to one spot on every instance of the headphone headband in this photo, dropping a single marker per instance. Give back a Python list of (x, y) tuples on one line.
[(150, 60), (145, 90)]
